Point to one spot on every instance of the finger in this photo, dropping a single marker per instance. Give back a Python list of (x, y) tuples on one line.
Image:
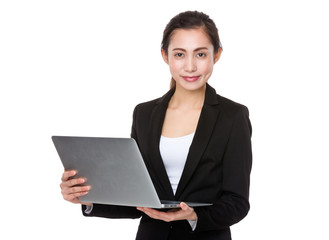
[(70, 183), (73, 182), (151, 215), (74, 196), (188, 212), (184, 206), (178, 214), (86, 203), (67, 174), (73, 190), (167, 217)]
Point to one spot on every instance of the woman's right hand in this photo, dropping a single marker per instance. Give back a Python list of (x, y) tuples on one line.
[(70, 191)]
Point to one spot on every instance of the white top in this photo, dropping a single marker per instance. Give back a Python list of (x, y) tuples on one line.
[(174, 153)]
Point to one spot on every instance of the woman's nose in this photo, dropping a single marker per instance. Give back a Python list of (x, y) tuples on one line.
[(190, 65)]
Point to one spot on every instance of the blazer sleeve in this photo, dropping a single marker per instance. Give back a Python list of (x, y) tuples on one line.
[(112, 211), (233, 204)]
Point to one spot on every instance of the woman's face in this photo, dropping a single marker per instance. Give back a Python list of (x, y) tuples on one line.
[(190, 58)]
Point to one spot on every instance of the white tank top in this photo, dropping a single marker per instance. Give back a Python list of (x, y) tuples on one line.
[(174, 153)]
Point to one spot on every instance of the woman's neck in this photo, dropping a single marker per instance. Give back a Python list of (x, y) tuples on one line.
[(186, 99)]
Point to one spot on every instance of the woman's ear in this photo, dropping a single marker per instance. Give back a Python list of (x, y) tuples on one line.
[(217, 55), (164, 56)]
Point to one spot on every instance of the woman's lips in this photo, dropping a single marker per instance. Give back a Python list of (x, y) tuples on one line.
[(191, 78)]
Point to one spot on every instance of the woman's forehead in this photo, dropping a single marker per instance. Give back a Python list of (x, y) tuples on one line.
[(190, 39)]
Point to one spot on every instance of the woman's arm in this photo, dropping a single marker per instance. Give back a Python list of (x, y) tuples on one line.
[(233, 205), (111, 211)]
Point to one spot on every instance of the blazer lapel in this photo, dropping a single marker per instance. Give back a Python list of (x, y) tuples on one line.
[(207, 121), (157, 119)]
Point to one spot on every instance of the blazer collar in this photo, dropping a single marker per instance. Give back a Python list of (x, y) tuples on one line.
[(205, 126)]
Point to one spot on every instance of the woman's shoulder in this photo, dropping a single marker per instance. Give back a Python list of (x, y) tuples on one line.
[(225, 104), (148, 104), (146, 108), (230, 107)]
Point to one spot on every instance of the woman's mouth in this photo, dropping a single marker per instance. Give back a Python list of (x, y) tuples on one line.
[(191, 78)]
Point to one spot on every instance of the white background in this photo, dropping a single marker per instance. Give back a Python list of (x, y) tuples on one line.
[(79, 68)]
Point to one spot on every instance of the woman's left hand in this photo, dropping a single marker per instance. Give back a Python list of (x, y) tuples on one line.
[(183, 213)]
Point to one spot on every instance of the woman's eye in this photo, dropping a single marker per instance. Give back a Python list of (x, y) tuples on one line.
[(201, 54), (179, 54)]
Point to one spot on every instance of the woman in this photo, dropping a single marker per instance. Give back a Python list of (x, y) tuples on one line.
[(195, 144)]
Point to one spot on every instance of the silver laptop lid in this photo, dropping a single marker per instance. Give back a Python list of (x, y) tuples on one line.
[(114, 169)]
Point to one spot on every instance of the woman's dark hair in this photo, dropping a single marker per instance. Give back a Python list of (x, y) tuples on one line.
[(191, 20)]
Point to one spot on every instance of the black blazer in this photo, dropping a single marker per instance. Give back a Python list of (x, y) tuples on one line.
[(217, 169)]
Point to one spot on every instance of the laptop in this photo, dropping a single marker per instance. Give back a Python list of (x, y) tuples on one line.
[(115, 170)]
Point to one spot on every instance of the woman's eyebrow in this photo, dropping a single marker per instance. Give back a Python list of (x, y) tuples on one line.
[(195, 50), (201, 48)]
